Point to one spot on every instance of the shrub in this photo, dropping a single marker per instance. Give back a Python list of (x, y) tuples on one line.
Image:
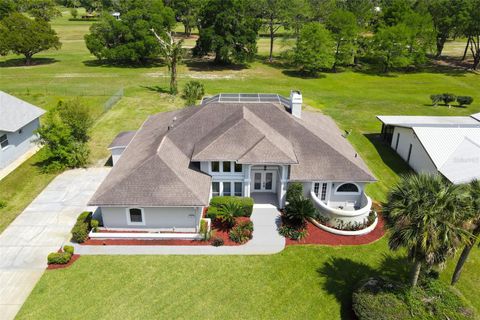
[(436, 98), (299, 209), (82, 227), (217, 242), (204, 230), (378, 298), (448, 98), (228, 211), (294, 191), (245, 202), (68, 249), (193, 91), (293, 232), (241, 234), (3, 204), (212, 213), (74, 13), (59, 257), (94, 224), (464, 100), (248, 225)]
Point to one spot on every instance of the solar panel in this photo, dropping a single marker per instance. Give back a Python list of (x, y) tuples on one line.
[(247, 98)]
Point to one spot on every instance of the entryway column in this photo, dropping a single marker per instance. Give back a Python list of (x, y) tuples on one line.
[(283, 186), (247, 180)]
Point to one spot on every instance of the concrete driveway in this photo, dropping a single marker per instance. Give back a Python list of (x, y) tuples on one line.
[(44, 226)]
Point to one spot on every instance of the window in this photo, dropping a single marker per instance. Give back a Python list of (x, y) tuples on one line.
[(238, 189), (3, 141), (348, 188), (227, 188), (316, 187), (215, 166), (135, 216), (215, 189), (227, 166), (323, 196), (238, 167)]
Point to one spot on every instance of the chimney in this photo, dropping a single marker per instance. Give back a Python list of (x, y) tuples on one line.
[(296, 101)]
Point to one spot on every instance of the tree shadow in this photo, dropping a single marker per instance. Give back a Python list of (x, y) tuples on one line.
[(20, 62), (388, 155), (206, 64), (156, 89), (343, 275), (303, 75), (154, 63), (341, 278)]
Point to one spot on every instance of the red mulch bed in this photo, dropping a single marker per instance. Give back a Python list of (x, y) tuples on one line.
[(66, 265), (220, 232), (319, 236)]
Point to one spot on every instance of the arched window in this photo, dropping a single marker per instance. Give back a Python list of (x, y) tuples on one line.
[(348, 188), (135, 216)]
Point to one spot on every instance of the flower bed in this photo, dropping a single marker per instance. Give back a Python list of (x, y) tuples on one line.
[(61, 266)]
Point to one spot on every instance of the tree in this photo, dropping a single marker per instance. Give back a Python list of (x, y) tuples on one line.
[(6, 8), (299, 12), (363, 10), (299, 210), (229, 29), (274, 15), (449, 18), (187, 12), (472, 31), (43, 9), (425, 215), (130, 39), (172, 52), (473, 190), (77, 117), (192, 92), (343, 26), (314, 49), (91, 5), (21, 35), (390, 46), (59, 134)]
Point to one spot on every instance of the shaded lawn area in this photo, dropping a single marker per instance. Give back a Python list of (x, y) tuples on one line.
[(302, 282)]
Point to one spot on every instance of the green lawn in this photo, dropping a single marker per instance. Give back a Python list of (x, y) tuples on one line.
[(287, 285), (302, 282)]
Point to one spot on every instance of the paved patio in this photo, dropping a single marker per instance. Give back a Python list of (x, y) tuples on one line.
[(266, 240), (44, 226)]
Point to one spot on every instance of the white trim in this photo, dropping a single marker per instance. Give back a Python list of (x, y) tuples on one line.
[(220, 168), (346, 232), (130, 223), (336, 192)]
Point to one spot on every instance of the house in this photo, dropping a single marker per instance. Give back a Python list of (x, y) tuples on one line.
[(243, 145), (449, 146), (18, 122)]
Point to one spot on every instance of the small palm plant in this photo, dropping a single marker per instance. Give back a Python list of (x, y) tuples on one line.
[(299, 210), (426, 214), (229, 211), (473, 190)]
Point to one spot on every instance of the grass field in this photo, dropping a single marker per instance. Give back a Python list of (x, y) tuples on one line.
[(302, 282), (287, 285)]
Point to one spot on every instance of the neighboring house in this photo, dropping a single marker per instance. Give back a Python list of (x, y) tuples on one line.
[(446, 145), (245, 145), (18, 122)]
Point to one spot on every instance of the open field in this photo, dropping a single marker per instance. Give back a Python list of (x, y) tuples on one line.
[(301, 282)]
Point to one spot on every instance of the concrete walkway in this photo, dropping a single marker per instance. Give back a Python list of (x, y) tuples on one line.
[(44, 226), (266, 240)]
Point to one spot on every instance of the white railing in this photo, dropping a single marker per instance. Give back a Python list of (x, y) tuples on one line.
[(364, 210)]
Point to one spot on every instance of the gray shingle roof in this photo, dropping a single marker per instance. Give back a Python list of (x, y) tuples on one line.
[(157, 169), (122, 139), (16, 113)]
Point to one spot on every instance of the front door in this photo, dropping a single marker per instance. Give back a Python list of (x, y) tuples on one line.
[(263, 181)]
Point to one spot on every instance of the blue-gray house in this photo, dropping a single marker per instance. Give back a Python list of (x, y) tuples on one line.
[(18, 122)]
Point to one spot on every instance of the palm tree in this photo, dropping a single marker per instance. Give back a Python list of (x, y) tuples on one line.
[(173, 52), (425, 214), (474, 198), (228, 211)]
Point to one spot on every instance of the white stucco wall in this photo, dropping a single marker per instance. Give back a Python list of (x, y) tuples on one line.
[(19, 143), (116, 154), (419, 159), (164, 218)]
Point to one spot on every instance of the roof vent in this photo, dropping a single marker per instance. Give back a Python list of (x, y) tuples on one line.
[(296, 102)]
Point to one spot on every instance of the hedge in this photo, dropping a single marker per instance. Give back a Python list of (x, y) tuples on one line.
[(217, 202), (82, 227), (59, 257), (68, 249)]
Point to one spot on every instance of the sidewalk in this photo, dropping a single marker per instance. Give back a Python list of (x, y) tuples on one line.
[(44, 226), (266, 240)]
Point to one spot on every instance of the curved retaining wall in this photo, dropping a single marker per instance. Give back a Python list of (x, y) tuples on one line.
[(345, 232)]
